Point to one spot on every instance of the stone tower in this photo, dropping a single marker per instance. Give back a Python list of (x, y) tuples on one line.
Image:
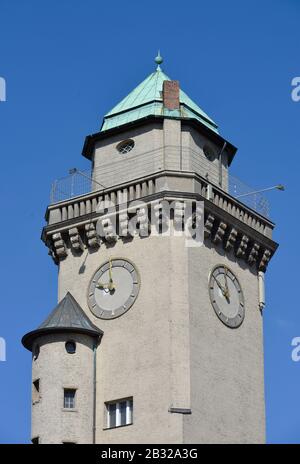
[(181, 356)]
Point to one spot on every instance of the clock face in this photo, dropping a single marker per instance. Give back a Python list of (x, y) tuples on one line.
[(113, 289), (226, 296)]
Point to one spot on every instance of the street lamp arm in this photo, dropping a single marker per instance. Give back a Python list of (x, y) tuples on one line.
[(275, 187)]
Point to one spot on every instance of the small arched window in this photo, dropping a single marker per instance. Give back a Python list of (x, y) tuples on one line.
[(70, 347), (125, 147)]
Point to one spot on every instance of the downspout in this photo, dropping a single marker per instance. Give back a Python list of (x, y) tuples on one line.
[(220, 163), (94, 388), (261, 291)]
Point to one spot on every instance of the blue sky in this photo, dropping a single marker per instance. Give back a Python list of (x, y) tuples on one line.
[(66, 63)]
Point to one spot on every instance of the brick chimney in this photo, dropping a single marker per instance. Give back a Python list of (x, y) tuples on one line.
[(171, 95)]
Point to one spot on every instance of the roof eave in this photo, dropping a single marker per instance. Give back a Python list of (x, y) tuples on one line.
[(29, 338)]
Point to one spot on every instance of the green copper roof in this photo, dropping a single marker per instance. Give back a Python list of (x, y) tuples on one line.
[(146, 100)]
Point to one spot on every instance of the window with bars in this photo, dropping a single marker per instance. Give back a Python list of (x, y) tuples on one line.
[(125, 147), (69, 398), (119, 413)]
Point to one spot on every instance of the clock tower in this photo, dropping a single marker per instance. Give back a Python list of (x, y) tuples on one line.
[(157, 336)]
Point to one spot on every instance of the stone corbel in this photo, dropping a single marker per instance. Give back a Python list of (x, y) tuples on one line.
[(75, 239), (253, 255), (231, 239), (108, 230), (123, 225), (208, 225), (92, 236), (143, 221), (241, 251), (219, 235), (59, 246), (264, 261)]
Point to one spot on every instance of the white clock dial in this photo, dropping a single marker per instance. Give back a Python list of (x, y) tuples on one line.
[(113, 289), (226, 296)]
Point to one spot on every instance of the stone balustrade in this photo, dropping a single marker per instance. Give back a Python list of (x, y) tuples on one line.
[(228, 223)]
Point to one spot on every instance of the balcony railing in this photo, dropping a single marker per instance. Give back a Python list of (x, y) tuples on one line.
[(77, 184)]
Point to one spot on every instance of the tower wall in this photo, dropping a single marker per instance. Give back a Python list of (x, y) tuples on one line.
[(171, 351), (194, 142), (145, 352), (168, 145), (227, 381), (56, 369), (111, 167)]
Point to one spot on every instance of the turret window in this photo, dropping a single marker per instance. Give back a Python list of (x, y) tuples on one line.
[(69, 398), (35, 391), (70, 347), (125, 147), (119, 413)]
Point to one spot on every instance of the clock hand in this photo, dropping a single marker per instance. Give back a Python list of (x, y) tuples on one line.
[(111, 284), (102, 286), (220, 286), (226, 284)]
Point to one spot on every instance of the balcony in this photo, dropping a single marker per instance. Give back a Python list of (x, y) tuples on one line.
[(78, 184), (239, 226)]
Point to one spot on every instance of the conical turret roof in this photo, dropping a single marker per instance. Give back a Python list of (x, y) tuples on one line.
[(67, 316)]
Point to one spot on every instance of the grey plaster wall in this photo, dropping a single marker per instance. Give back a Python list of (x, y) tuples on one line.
[(112, 167), (145, 352), (171, 350), (227, 381), (195, 160)]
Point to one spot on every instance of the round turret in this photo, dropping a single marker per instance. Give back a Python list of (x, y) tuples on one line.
[(63, 375)]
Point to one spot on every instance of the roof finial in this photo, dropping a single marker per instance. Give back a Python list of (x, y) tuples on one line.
[(158, 60)]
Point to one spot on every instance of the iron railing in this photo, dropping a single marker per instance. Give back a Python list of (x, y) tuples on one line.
[(80, 183), (249, 196)]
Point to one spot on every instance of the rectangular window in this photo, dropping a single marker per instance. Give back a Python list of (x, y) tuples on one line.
[(119, 413), (36, 391), (69, 398)]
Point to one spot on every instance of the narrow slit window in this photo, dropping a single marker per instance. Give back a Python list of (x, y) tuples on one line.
[(36, 391)]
